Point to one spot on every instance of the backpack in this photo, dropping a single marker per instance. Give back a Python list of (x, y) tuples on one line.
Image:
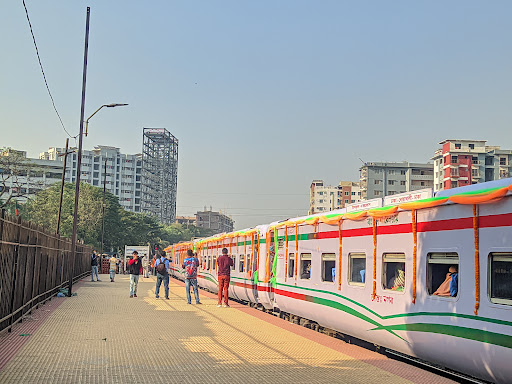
[(191, 269), (160, 268)]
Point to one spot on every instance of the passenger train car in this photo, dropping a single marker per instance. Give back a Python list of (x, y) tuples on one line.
[(427, 277)]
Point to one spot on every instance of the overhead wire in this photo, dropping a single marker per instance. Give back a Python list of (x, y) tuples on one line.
[(42, 71)]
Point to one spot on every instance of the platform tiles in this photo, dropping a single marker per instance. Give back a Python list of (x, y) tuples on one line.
[(104, 336)]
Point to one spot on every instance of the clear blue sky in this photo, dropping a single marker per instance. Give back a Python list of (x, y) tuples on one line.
[(264, 96)]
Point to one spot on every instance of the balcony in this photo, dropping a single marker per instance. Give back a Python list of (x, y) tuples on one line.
[(422, 177)]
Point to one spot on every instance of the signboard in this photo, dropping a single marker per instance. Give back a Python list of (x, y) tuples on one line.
[(143, 251), (364, 205), (407, 197), (154, 130)]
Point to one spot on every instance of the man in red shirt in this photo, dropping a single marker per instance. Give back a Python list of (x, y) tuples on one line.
[(224, 264)]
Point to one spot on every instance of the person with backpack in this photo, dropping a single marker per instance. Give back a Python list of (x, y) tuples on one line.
[(94, 266), (162, 275), (135, 265), (190, 265), (224, 264)]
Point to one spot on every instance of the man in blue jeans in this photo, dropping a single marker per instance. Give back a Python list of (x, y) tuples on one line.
[(190, 265), (94, 266), (162, 275)]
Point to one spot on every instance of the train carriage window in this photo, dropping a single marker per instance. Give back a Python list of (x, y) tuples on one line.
[(328, 267), (305, 266), (214, 263), (357, 268), (291, 265), (234, 262), (443, 274), (393, 271), (500, 276), (241, 263), (208, 262)]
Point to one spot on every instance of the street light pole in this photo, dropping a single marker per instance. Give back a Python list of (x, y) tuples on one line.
[(103, 206), (79, 160), (66, 153)]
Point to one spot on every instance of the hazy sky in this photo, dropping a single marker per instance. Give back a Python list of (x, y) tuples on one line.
[(264, 96)]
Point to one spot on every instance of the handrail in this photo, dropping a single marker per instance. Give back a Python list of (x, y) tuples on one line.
[(9, 316)]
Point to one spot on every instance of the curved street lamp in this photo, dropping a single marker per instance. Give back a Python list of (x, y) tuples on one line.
[(95, 112)]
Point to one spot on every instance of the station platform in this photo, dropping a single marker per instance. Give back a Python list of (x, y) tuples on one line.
[(104, 336)]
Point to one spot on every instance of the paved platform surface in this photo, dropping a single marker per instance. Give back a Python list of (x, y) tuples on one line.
[(103, 336)]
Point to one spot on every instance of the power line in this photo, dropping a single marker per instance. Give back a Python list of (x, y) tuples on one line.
[(42, 71)]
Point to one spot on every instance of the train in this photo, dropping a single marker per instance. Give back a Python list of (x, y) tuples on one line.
[(428, 275)]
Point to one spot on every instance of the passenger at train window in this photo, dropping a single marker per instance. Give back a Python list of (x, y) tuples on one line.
[(449, 287), (305, 266), (442, 269), (397, 282), (393, 268)]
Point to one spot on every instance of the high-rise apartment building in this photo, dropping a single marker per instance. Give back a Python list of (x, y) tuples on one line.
[(324, 198), (123, 172), (384, 179), (463, 162)]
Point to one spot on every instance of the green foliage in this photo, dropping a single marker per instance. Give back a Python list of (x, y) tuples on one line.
[(121, 227)]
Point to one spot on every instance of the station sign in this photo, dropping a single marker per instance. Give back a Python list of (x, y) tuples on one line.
[(364, 205), (407, 197)]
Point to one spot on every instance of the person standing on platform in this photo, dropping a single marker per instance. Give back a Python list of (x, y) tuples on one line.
[(145, 266), (190, 265), (94, 266), (224, 264), (135, 266), (162, 275), (113, 266), (153, 261)]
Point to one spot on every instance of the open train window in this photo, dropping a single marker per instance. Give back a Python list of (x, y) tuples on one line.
[(305, 266), (241, 263), (208, 262), (234, 262), (214, 263), (500, 276), (328, 267), (291, 265), (357, 268), (443, 274), (393, 271)]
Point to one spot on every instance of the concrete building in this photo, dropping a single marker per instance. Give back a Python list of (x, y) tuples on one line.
[(28, 176), (186, 220), (214, 220), (384, 179), (324, 198), (123, 172), (463, 162)]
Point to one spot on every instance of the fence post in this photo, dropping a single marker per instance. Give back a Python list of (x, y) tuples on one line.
[(14, 271)]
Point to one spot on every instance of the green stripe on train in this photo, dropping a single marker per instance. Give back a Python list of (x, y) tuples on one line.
[(453, 330)]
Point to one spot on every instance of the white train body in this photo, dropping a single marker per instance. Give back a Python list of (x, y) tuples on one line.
[(440, 329)]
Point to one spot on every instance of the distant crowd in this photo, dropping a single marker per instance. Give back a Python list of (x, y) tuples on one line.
[(160, 267)]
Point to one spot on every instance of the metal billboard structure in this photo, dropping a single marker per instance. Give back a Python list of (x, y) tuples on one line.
[(159, 174)]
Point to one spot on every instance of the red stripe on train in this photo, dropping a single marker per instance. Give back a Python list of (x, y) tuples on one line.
[(491, 221), (293, 295)]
